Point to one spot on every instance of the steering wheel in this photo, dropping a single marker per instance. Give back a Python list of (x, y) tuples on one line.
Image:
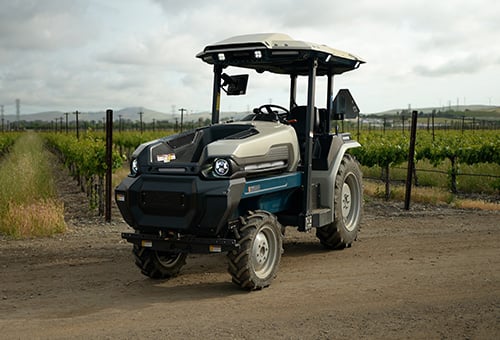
[(271, 112)]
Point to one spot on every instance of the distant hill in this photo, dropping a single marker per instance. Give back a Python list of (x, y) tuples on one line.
[(129, 113), (479, 111), (132, 114)]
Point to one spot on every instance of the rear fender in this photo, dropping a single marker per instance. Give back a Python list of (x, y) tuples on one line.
[(326, 178)]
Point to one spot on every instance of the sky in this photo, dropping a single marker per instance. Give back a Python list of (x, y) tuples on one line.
[(90, 55)]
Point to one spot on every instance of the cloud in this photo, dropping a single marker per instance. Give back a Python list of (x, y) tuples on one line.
[(456, 65), (43, 25), (158, 48), (86, 54)]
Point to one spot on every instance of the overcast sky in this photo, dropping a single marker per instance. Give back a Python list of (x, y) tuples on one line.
[(92, 55)]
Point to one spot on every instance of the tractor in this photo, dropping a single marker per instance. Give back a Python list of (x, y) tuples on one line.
[(235, 186)]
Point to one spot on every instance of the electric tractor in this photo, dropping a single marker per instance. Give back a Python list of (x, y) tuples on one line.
[(232, 187)]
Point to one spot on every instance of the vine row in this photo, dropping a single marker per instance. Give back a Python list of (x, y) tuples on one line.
[(391, 149), (86, 160)]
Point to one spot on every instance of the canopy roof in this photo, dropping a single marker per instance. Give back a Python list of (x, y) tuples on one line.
[(278, 53)]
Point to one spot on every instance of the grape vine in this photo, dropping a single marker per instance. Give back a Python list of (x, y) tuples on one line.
[(6, 141), (86, 160), (390, 149)]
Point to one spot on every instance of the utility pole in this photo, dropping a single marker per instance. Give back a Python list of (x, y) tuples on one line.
[(18, 113), (1, 109), (182, 116), (140, 119), (76, 113), (120, 123), (66, 114)]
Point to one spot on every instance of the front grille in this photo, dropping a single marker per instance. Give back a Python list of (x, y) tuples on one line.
[(164, 203)]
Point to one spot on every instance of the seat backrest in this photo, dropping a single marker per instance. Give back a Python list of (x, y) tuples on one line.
[(298, 116), (298, 120)]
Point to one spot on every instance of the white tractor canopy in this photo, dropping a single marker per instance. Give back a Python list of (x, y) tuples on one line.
[(278, 53)]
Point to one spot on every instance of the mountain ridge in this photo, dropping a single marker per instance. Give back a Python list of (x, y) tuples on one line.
[(148, 116)]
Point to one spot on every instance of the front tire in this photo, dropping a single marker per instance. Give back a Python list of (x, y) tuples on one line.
[(255, 263), (348, 205), (158, 265)]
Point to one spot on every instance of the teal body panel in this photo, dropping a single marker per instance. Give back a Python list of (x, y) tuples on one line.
[(272, 194)]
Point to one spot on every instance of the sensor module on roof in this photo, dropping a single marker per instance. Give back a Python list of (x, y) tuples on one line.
[(294, 55)]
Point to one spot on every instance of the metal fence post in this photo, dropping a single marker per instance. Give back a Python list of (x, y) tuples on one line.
[(411, 156), (109, 163)]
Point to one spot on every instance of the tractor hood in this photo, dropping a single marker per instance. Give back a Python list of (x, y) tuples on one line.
[(240, 149)]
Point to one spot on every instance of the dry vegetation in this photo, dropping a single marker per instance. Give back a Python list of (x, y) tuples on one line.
[(28, 204), (428, 195)]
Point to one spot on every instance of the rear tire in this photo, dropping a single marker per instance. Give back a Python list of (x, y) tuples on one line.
[(255, 263), (158, 265), (348, 205)]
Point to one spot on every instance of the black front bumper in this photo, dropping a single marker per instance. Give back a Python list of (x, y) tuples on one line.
[(181, 204), (181, 244)]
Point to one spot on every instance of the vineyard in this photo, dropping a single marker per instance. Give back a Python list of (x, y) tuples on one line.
[(85, 157), (444, 154), (448, 152), (443, 159)]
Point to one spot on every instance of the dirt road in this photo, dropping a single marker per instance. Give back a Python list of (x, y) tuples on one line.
[(428, 273)]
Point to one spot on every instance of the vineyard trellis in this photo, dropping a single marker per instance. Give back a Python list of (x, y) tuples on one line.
[(383, 147), (86, 160), (390, 149), (86, 157)]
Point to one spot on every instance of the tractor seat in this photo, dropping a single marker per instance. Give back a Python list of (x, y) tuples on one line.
[(298, 120)]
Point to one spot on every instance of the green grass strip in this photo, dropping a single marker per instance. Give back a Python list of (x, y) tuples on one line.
[(28, 200)]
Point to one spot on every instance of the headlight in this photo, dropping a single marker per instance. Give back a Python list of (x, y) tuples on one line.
[(221, 167), (134, 167)]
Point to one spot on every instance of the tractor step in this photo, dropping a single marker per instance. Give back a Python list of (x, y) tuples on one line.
[(317, 218), (321, 217)]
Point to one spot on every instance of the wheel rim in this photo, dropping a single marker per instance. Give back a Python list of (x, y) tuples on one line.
[(167, 260), (264, 252), (350, 201), (346, 200)]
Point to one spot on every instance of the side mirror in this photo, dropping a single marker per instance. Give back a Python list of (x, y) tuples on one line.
[(344, 106), (236, 85)]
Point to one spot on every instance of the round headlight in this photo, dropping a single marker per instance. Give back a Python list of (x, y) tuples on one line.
[(221, 167), (134, 167)]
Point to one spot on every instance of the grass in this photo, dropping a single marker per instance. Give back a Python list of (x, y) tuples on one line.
[(421, 195), (28, 204), (426, 195)]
